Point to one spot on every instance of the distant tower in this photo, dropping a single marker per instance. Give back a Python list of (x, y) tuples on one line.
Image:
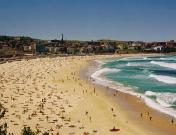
[(62, 40)]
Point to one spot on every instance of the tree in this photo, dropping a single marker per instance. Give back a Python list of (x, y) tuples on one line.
[(3, 127), (5, 38), (46, 133), (27, 131)]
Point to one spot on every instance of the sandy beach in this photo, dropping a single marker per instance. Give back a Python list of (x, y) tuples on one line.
[(48, 94)]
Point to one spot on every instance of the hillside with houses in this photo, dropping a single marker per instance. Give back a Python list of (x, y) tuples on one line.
[(19, 46)]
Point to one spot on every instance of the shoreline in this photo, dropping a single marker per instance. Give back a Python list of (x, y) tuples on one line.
[(99, 79), (133, 103)]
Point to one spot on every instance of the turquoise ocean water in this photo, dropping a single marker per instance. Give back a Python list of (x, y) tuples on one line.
[(152, 77)]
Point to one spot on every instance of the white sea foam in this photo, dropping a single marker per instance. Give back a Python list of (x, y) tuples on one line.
[(100, 62), (165, 79), (164, 64), (104, 70), (165, 99), (171, 58), (145, 58), (150, 93), (159, 107), (96, 75), (163, 103), (128, 59), (133, 64)]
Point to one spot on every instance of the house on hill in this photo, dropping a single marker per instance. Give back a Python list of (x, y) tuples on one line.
[(6, 51)]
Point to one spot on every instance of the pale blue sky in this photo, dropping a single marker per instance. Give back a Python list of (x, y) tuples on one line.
[(148, 20)]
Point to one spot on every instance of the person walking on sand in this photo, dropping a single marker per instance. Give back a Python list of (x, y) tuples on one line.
[(86, 112), (112, 109), (141, 115), (90, 118), (172, 121), (150, 118)]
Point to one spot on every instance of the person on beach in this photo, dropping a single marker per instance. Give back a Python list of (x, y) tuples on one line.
[(90, 118), (172, 121), (112, 109), (150, 118), (94, 90), (141, 115), (114, 129), (86, 112)]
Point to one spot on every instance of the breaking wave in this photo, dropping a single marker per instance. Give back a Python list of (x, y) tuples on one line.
[(165, 99), (165, 79), (97, 75), (132, 64), (164, 64)]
